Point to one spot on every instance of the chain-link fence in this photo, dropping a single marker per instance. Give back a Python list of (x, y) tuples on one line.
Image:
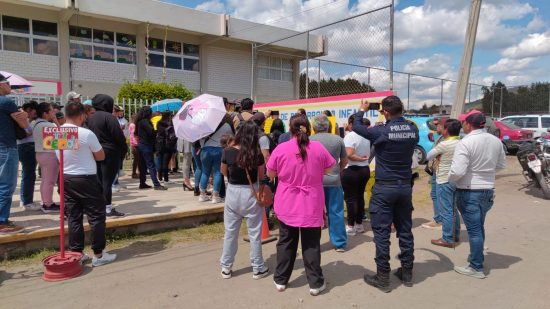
[(333, 59)]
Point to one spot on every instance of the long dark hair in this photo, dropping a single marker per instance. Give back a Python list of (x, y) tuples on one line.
[(144, 113), (301, 129), (248, 140)]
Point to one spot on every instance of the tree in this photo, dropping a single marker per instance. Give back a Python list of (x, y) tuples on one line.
[(331, 87), (148, 90), (516, 100)]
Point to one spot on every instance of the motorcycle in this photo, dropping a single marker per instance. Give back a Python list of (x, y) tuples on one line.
[(534, 158)]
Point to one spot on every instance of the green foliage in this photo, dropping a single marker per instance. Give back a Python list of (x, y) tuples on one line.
[(532, 99), (332, 87), (148, 90)]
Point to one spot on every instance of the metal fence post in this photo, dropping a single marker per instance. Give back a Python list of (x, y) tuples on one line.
[(493, 102), (441, 105), (252, 81), (307, 65), (501, 101), (319, 80), (408, 91), (392, 10)]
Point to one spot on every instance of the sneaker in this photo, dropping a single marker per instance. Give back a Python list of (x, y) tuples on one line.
[(85, 258), (469, 271), (359, 228), (280, 287), (217, 200), (261, 274), (105, 258), (53, 208), (315, 292), (10, 228), (115, 213), (32, 206), (160, 188), (226, 273), (115, 188), (432, 226), (170, 182), (203, 198), (142, 187), (350, 230), (340, 250)]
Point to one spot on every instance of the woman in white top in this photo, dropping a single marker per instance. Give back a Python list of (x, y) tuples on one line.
[(49, 166), (355, 177)]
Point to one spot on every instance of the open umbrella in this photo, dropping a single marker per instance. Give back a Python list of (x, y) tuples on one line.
[(199, 117), (16, 81), (170, 105)]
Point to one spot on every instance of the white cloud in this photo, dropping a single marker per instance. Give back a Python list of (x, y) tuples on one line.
[(534, 45), (438, 65), (214, 6), (536, 23), (315, 73), (508, 65)]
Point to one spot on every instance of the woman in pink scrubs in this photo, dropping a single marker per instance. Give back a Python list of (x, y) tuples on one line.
[(300, 165)]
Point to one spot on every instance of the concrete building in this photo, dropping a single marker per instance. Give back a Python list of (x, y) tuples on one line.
[(94, 46)]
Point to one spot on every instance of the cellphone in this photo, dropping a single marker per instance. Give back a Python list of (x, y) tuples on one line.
[(374, 106), (275, 113)]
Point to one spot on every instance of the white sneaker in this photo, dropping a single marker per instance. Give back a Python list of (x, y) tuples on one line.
[(105, 258), (203, 198), (84, 258), (261, 274), (468, 271), (359, 228), (217, 200), (226, 273), (32, 206), (121, 173), (350, 230), (315, 292), (115, 188), (280, 287)]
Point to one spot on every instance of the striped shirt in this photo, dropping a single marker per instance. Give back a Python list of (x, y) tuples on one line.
[(445, 151)]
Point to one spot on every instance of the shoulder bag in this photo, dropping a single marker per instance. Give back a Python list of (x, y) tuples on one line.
[(264, 196)]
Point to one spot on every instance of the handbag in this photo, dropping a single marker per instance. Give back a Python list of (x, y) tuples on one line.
[(264, 195)]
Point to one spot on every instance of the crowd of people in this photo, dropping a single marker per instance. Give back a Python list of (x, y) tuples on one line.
[(312, 176)]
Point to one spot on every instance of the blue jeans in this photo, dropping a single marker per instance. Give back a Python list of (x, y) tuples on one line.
[(437, 207), (9, 162), (334, 202), (146, 152), (450, 218), (27, 157), (197, 167), (211, 160), (473, 206)]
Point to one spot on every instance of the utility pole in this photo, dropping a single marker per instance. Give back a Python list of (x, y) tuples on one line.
[(466, 62)]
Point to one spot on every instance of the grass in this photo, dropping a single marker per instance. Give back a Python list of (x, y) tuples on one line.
[(204, 232)]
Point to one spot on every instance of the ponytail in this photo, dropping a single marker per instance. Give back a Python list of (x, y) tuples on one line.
[(301, 129)]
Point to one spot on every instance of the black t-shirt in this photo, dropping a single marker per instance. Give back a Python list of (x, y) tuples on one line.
[(237, 175)]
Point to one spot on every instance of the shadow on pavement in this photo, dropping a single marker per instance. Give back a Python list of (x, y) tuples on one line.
[(494, 261), (340, 273), (140, 249), (431, 267)]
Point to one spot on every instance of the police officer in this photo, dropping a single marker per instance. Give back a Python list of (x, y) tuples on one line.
[(391, 200)]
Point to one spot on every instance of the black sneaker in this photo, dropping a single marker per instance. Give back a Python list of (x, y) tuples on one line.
[(261, 274), (141, 187), (53, 208), (115, 213), (161, 188)]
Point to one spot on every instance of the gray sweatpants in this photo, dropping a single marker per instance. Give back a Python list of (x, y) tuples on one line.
[(240, 203)]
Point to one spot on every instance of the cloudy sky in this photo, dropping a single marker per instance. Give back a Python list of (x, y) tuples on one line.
[(513, 41)]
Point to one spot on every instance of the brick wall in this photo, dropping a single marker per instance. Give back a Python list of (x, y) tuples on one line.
[(189, 79), (100, 71), (30, 66)]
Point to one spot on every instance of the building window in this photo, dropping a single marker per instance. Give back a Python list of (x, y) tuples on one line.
[(20, 34), (275, 68), (177, 58), (101, 45)]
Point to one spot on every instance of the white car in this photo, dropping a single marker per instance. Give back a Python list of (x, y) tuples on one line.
[(539, 124)]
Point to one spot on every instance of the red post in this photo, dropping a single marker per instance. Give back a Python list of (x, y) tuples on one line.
[(61, 205)]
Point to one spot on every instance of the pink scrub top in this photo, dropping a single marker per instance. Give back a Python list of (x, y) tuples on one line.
[(300, 198)]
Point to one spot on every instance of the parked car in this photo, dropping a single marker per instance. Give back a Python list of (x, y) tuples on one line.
[(513, 136), (425, 126), (539, 124)]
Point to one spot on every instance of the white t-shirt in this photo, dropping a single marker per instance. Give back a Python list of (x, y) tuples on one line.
[(81, 161), (361, 146), (125, 126), (264, 142)]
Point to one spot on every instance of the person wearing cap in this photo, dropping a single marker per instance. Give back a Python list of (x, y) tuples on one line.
[(437, 219), (247, 108), (475, 161), (73, 96), (27, 157), (10, 117), (60, 117)]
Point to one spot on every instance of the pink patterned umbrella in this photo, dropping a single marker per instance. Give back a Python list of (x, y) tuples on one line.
[(16, 81), (199, 117)]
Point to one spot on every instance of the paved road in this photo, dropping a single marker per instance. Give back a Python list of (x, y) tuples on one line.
[(187, 276)]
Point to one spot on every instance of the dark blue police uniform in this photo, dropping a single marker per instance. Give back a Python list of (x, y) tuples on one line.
[(391, 200)]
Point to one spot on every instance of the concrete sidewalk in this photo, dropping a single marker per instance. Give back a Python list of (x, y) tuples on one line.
[(145, 210), (187, 276)]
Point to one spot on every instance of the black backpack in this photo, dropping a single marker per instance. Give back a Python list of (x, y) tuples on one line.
[(272, 143)]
